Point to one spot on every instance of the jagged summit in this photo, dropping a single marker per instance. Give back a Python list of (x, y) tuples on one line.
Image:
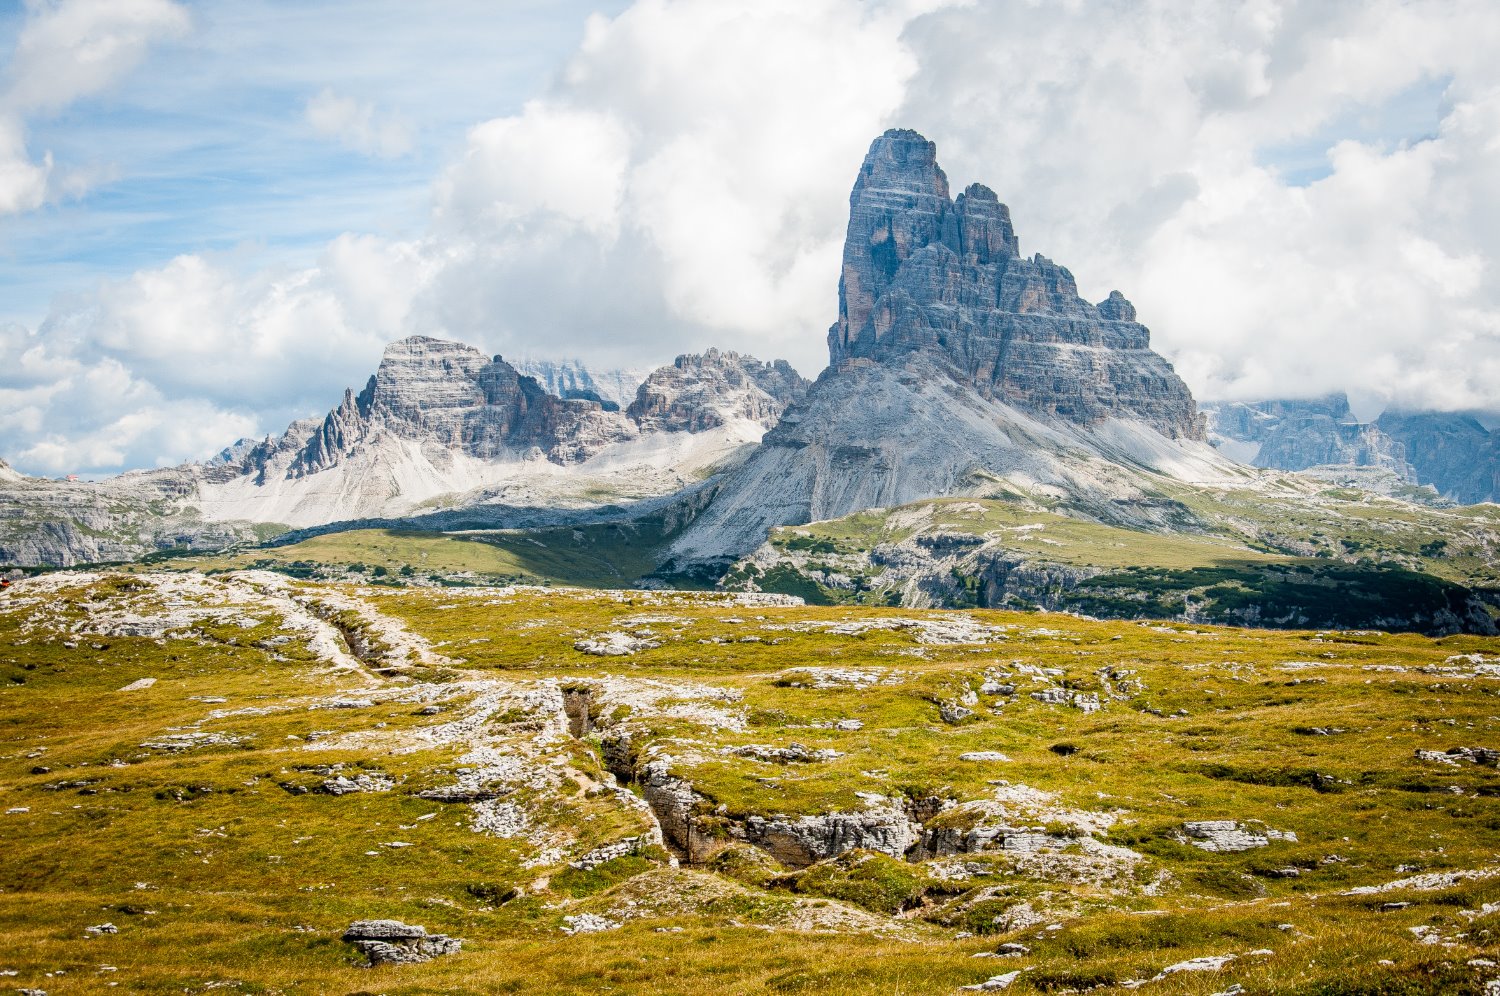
[(453, 396), (705, 390), (945, 277)]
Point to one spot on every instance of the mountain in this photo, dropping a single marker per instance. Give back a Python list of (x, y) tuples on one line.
[(959, 366), (439, 425), (574, 379), (1450, 452), (702, 392)]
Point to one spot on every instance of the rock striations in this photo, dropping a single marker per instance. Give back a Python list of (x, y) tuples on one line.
[(697, 393), (452, 396), (927, 274), (959, 366)]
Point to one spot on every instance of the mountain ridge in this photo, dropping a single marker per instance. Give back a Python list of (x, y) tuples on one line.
[(439, 425)]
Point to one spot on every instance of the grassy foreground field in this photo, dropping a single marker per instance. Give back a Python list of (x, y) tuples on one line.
[(228, 770)]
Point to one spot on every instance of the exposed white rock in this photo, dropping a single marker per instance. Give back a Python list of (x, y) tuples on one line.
[(615, 644), (1227, 836), (588, 923), (994, 983)]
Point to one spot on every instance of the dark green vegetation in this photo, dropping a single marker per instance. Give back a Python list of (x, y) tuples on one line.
[(1329, 559), (223, 839), (606, 555)]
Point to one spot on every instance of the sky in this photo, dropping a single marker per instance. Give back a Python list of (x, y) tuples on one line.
[(214, 214)]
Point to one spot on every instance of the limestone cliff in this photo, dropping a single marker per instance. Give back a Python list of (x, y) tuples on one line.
[(925, 273), (699, 392)]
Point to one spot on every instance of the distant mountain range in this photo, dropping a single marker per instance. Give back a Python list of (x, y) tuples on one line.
[(1450, 452)]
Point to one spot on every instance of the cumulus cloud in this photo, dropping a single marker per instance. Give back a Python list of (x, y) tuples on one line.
[(66, 50), (69, 49), (1131, 143), (359, 125), (683, 183)]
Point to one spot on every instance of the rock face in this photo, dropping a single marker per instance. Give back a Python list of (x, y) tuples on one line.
[(959, 367), (614, 389), (1452, 453), (697, 393), (926, 273), (1298, 434), (452, 396)]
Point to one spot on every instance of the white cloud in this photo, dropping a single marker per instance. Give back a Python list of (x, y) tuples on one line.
[(707, 150), (73, 48), (68, 49), (1126, 139), (358, 125), (23, 183)]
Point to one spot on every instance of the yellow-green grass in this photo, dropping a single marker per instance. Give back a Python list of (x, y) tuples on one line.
[(250, 885), (593, 556)]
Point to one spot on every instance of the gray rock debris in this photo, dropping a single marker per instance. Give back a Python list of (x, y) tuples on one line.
[(336, 782), (619, 849), (587, 923), (178, 742), (952, 712), (793, 752), (1086, 701), (615, 644), (1453, 755), (1225, 836), (391, 942)]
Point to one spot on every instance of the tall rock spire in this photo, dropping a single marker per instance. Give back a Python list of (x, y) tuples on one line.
[(924, 273), (899, 204)]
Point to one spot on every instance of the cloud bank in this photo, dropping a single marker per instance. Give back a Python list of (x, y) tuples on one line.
[(1299, 197)]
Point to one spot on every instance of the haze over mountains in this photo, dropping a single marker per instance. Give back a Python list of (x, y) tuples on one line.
[(1449, 451)]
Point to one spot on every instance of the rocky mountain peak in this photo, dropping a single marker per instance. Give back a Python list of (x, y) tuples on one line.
[(901, 160), (450, 395), (945, 278), (706, 390)]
